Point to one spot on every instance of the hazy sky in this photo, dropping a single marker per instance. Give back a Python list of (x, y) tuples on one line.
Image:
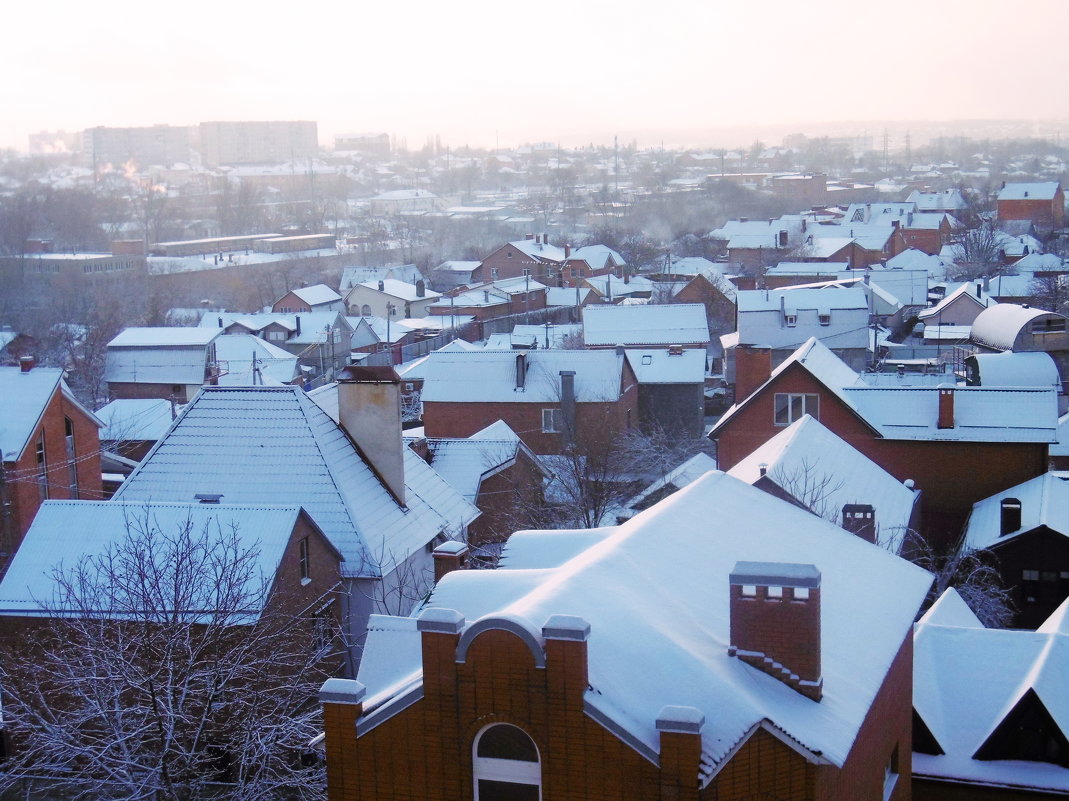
[(553, 70)]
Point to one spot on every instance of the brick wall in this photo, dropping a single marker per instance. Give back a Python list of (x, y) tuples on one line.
[(764, 767), (23, 488)]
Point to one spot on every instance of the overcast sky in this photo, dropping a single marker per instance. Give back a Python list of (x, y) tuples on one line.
[(477, 72)]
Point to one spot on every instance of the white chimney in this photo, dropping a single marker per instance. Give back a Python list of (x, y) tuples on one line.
[(369, 410)]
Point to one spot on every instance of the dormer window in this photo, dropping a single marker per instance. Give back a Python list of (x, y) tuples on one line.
[(790, 320), (824, 319)]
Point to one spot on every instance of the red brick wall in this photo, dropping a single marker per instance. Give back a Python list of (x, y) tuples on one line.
[(889, 723), (1044, 213), (510, 261), (291, 302), (502, 499), (763, 768), (24, 491), (786, 630)]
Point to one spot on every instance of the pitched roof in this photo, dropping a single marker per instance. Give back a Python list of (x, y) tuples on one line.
[(28, 586), (675, 479), (1044, 502), (164, 337), (824, 473), (317, 294), (135, 419), (967, 679), (661, 367), (466, 463), (489, 376), (236, 353), (1037, 190), (23, 400), (400, 289), (649, 648), (655, 324), (966, 291), (275, 445)]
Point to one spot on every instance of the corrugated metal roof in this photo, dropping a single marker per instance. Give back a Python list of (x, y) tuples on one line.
[(274, 444), (64, 532), (669, 324)]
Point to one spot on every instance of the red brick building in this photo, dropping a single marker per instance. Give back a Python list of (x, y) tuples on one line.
[(545, 396), (549, 264), (926, 433), (1043, 203), (650, 660), (50, 445)]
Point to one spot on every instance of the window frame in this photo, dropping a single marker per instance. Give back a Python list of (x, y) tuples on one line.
[(555, 420), (509, 771), (72, 458), (810, 407), (303, 560)]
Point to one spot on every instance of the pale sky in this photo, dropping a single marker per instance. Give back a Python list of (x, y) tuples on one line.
[(556, 70)]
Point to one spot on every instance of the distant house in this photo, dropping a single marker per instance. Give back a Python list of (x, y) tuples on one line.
[(133, 425), (701, 679), (390, 297), (1042, 203), (922, 431), (1009, 327), (49, 444), (318, 297), (807, 464), (250, 360), (493, 470), (549, 397), (674, 480), (650, 326), (497, 298), (960, 307), (351, 276), (161, 362), (989, 716), (378, 504), (784, 318), (1027, 528), (404, 201), (671, 385), (532, 257)]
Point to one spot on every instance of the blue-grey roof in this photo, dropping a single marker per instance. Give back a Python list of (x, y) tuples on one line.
[(64, 532), (275, 445)]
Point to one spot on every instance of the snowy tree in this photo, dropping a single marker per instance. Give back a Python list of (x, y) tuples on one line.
[(166, 670)]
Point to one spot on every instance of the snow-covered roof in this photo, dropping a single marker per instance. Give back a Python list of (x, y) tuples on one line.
[(967, 679), (598, 256), (489, 376), (997, 326), (1025, 369), (1038, 190), (276, 445), (28, 587), (351, 276), (808, 268), (466, 463), (1044, 502), (135, 419), (674, 480), (656, 324), (400, 289), (661, 367), (967, 291), (793, 299), (317, 294), (23, 400), (159, 363), (556, 333), (824, 473), (649, 648), (313, 325), (1040, 262), (613, 286), (199, 336), (236, 352), (536, 250), (566, 296)]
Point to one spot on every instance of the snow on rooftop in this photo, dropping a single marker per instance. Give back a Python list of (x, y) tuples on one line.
[(317, 294), (1044, 501), (489, 376), (658, 324), (967, 679), (648, 648), (164, 337), (275, 445), (400, 289), (135, 419), (23, 400), (661, 367), (28, 588), (1038, 190), (824, 473), (997, 326)]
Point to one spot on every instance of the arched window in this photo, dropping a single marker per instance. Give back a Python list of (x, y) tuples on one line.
[(365, 310), (506, 765)]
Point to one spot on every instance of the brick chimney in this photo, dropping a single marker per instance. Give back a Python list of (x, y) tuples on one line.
[(369, 409), (946, 406), (521, 371), (343, 704), (753, 367), (775, 622), (26, 363), (449, 556), (566, 659), (567, 405), (860, 519), (680, 733)]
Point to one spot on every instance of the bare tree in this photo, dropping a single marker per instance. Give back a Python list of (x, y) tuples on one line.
[(978, 250), (166, 670)]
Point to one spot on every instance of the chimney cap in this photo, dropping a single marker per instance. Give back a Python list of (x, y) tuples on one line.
[(566, 627), (440, 621), (451, 548), (776, 574), (680, 719)]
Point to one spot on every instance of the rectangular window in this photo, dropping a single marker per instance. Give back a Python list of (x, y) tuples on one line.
[(305, 572), (493, 273), (791, 406), (42, 468), (323, 627), (1030, 586), (552, 422), (1050, 325), (790, 320), (890, 775), (72, 461), (824, 319)]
